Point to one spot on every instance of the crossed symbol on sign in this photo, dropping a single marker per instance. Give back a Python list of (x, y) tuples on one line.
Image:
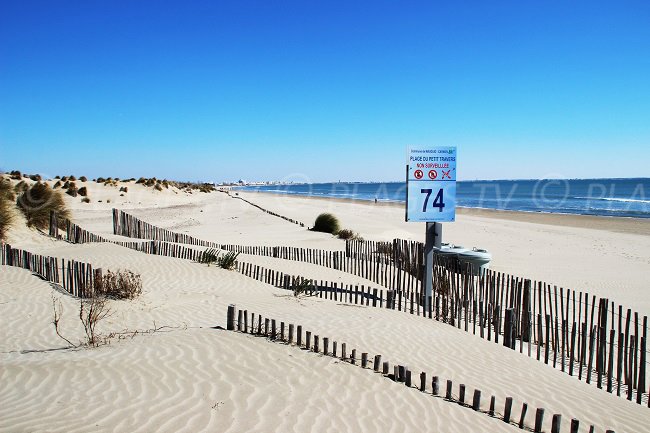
[(445, 174)]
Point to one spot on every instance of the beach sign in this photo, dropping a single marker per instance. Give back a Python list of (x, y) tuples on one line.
[(431, 184)]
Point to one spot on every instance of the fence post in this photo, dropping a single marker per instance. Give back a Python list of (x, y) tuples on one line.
[(230, 320), (509, 330), (539, 420)]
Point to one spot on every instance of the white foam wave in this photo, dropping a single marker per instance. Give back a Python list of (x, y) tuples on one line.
[(626, 200)]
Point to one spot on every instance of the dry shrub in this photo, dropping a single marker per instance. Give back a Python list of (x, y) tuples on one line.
[(64, 179), (72, 178), (15, 175), (158, 187), (124, 189), (119, 285), (83, 178), (37, 201), (85, 200), (101, 180), (91, 312), (348, 234), (35, 177), (83, 191), (72, 190), (57, 184)]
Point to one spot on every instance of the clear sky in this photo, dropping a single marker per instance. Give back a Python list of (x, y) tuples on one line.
[(324, 90)]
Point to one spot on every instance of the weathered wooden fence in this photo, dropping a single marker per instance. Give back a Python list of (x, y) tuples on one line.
[(291, 220), (290, 334), (587, 336), (77, 278)]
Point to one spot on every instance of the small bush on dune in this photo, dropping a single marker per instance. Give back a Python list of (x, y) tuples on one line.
[(72, 178), (141, 180), (326, 223), (158, 187), (21, 187), (66, 185), (57, 177), (36, 203), (64, 179), (83, 178), (119, 285), (57, 184), (35, 177), (85, 200), (16, 175), (72, 191), (348, 234), (83, 191), (124, 189)]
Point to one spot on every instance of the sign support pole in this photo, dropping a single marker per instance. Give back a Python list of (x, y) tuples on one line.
[(433, 240)]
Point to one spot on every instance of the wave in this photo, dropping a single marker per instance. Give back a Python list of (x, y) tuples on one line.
[(625, 200)]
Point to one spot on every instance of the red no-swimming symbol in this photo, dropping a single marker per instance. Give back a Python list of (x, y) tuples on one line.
[(445, 174), (433, 174), (418, 174)]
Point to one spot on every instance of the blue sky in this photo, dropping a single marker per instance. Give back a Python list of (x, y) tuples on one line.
[(324, 90)]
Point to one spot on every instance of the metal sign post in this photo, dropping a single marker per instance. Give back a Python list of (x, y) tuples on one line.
[(431, 198)]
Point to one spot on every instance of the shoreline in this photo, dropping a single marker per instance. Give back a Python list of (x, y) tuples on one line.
[(629, 225)]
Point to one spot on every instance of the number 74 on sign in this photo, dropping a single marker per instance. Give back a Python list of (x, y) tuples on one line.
[(431, 184)]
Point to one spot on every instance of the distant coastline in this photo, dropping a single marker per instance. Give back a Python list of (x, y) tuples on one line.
[(595, 197)]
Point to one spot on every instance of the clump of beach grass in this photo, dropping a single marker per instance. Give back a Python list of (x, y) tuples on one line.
[(326, 223), (83, 191), (7, 198), (213, 257), (36, 203)]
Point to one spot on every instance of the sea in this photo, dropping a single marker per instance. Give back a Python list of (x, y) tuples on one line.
[(603, 197)]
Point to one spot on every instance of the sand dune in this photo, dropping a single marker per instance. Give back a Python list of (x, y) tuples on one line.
[(188, 376)]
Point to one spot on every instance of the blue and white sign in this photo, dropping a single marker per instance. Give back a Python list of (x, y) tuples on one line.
[(431, 184)]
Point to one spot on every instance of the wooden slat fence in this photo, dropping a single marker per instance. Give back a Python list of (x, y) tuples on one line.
[(585, 336), (291, 220), (292, 335), (77, 278)]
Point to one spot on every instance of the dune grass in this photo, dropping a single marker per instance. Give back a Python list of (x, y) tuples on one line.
[(7, 198), (326, 223), (37, 201)]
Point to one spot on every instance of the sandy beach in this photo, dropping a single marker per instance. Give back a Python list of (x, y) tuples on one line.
[(179, 373)]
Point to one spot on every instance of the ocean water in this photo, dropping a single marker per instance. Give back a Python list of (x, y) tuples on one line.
[(605, 197)]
